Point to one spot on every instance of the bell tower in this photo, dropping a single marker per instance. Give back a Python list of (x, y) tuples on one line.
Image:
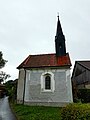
[(60, 41)]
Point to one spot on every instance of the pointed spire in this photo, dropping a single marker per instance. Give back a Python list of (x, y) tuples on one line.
[(60, 40), (59, 28)]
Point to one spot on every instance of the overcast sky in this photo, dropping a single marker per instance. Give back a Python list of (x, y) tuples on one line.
[(29, 27)]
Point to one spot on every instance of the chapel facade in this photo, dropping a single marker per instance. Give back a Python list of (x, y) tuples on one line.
[(44, 79)]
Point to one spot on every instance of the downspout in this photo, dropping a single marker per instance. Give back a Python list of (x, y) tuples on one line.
[(24, 87)]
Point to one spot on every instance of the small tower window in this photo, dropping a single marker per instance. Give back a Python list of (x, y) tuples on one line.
[(47, 82), (60, 46)]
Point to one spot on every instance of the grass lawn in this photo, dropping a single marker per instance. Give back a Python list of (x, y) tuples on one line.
[(24, 112), (70, 112)]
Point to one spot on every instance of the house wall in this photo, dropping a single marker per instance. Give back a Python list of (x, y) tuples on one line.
[(69, 85), (20, 86), (82, 80), (33, 93)]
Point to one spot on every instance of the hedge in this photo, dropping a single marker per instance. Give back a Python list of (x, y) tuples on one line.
[(76, 112)]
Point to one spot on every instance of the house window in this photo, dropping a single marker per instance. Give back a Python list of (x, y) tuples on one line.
[(47, 82)]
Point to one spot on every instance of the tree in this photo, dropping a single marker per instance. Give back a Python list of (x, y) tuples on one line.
[(3, 75), (2, 61), (11, 89)]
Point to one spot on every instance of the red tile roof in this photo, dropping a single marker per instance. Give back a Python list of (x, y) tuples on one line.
[(45, 60)]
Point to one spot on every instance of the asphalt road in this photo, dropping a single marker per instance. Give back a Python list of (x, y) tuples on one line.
[(5, 111)]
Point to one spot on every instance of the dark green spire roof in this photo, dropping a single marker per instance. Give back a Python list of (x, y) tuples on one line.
[(59, 31)]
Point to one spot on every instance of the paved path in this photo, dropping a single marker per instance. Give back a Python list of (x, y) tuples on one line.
[(5, 111)]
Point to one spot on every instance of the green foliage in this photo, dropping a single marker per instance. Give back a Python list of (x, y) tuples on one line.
[(24, 112), (11, 88), (3, 76), (76, 112), (84, 95), (2, 61), (77, 100), (70, 112)]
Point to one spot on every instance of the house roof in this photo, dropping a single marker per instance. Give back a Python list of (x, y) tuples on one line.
[(45, 60), (85, 64)]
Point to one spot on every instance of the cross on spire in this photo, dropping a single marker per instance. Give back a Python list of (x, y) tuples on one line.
[(58, 15)]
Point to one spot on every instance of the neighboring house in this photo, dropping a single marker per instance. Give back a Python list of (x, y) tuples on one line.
[(81, 76), (45, 79)]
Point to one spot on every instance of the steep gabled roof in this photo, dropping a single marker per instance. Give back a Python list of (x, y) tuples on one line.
[(45, 60)]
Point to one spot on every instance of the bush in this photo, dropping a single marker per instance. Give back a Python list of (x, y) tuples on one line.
[(77, 100), (76, 112), (84, 95)]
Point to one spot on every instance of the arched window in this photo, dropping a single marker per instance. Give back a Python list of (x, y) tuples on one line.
[(47, 82)]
